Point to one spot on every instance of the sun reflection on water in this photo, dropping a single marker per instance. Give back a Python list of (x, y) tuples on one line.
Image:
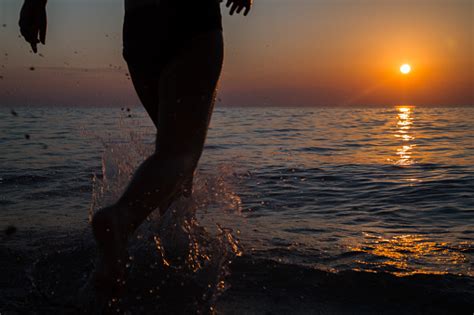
[(403, 132), (405, 255)]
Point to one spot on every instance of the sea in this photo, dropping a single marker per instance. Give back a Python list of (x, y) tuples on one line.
[(308, 206)]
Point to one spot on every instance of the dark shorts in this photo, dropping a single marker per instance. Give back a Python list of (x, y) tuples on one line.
[(154, 35)]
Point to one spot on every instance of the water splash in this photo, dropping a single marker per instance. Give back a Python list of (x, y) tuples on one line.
[(175, 244)]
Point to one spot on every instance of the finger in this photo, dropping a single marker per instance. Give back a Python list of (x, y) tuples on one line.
[(229, 2), (247, 10), (32, 38), (35, 41), (239, 9), (28, 34), (232, 10), (34, 46), (42, 32)]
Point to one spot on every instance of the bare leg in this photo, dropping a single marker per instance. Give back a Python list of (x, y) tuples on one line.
[(186, 92)]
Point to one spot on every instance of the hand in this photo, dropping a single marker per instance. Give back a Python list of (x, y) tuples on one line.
[(33, 22), (239, 5)]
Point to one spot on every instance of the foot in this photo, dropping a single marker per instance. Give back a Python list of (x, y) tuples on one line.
[(109, 229)]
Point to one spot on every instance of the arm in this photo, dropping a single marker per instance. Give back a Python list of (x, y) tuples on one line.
[(33, 22), (239, 5)]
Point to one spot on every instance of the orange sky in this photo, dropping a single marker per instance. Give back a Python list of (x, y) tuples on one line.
[(296, 53)]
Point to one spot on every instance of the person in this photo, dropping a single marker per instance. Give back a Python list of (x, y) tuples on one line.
[(174, 52)]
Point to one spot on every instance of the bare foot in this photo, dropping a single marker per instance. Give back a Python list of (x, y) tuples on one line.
[(109, 230)]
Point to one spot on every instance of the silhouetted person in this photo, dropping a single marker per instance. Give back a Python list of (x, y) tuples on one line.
[(174, 51)]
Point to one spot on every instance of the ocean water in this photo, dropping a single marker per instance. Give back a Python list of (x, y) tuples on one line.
[(384, 190)]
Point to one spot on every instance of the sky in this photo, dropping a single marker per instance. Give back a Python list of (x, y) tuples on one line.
[(285, 53)]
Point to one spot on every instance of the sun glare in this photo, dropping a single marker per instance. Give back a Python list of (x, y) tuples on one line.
[(405, 69)]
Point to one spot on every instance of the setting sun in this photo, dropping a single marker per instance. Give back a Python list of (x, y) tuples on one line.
[(405, 69)]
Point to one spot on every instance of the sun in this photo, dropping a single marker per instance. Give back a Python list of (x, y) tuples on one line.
[(405, 68)]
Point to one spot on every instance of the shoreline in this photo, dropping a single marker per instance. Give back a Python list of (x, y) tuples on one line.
[(256, 286)]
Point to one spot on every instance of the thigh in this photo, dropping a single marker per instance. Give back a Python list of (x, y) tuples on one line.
[(187, 90), (143, 55), (146, 86)]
